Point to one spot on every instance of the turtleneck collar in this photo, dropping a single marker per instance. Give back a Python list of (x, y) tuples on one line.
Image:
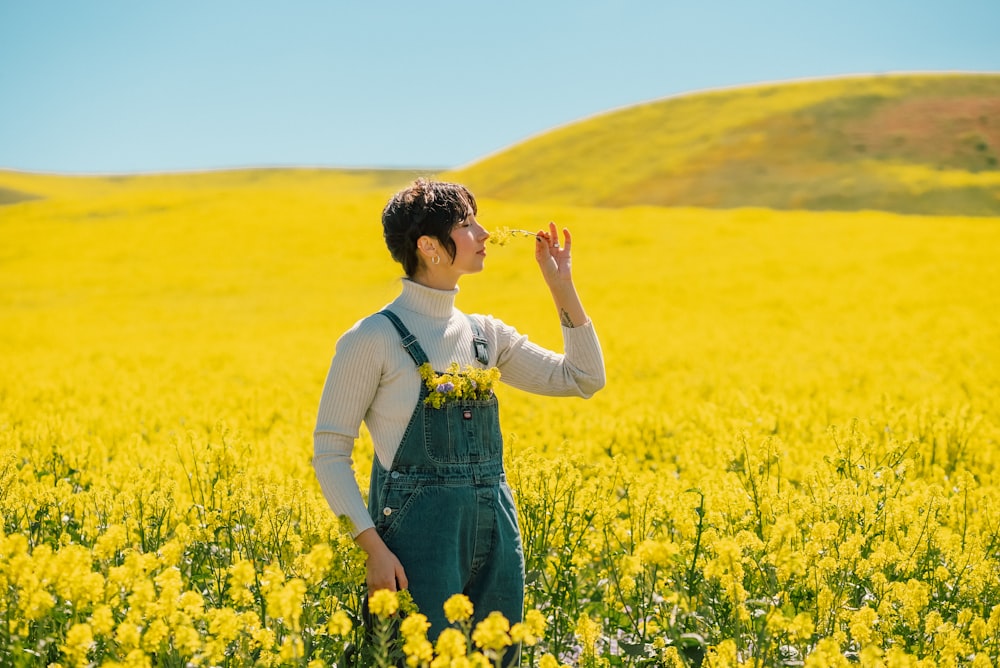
[(426, 301)]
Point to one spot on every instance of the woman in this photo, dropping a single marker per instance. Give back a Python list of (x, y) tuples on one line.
[(440, 518)]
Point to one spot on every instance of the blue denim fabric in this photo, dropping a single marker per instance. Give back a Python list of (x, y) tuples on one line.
[(445, 509)]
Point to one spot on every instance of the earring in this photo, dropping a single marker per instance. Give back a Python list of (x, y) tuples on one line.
[(436, 260)]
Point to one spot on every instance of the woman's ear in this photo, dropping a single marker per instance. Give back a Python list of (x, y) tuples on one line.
[(427, 246)]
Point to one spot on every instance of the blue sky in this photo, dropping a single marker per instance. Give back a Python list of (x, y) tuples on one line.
[(101, 86)]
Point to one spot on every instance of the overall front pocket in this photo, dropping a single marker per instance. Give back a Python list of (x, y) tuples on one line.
[(463, 432), (396, 503)]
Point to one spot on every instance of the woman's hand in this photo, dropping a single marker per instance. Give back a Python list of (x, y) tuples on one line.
[(384, 569), (552, 258)]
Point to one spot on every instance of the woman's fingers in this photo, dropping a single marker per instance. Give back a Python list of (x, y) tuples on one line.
[(553, 257), (396, 580), (551, 237), (543, 245), (385, 571)]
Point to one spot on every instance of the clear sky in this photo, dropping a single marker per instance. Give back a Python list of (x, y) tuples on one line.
[(99, 86)]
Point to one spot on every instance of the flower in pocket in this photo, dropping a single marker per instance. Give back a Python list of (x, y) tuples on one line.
[(456, 384)]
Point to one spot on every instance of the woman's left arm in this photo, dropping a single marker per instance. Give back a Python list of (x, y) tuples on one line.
[(527, 366), (555, 262)]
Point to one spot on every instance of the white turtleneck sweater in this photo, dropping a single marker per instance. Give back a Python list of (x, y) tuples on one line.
[(373, 379)]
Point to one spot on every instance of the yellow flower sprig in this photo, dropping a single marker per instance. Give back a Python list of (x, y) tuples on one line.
[(502, 235), (456, 384)]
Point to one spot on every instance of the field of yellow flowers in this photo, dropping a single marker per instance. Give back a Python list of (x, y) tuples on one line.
[(794, 462)]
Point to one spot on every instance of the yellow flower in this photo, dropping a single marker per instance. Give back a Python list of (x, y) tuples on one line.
[(292, 648), (74, 579), (156, 633), (727, 569), (587, 632), (192, 603), (548, 661), (102, 620), (127, 635), (272, 578), (862, 625), (871, 655), (458, 608), (35, 602), (285, 602), (79, 642), (171, 553), (223, 623), (657, 552), (491, 633), (114, 538), (339, 624), (143, 595), (827, 654), (187, 640), (914, 596), (536, 622), (456, 384), (474, 660), (502, 235), (383, 603), (897, 657), (801, 627), (521, 633), (451, 644), (671, 658), (414, 625), (241, 577), (723, 654), (631, 565), (775, 622), (981, 660), (418, 651), (137, 659), (314, 565), (977, 630), (264, 638), (214, 650)]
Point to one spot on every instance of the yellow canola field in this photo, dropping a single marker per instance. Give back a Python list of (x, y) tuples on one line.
[(794, 460)]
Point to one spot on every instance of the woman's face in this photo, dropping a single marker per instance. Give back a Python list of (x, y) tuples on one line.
[(470, 245)]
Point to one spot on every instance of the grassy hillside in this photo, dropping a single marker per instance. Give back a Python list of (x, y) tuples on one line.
[(24, 186), (904, 143)]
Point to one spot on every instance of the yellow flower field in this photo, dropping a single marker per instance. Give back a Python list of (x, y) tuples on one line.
[(794, 461)]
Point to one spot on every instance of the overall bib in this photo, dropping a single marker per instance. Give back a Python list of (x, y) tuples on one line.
[(445, 509)]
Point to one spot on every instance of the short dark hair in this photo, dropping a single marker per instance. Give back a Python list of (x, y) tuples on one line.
[(425, 207)]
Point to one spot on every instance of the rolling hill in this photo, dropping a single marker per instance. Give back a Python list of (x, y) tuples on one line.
[(911, 143), (907, 143)]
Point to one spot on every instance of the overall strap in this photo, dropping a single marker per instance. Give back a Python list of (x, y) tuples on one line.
[(480, 347), (410, 342)]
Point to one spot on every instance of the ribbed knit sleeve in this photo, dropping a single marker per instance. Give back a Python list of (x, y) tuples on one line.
[(350, 386), (527, 366)]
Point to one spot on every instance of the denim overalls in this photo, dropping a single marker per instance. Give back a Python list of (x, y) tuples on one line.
[(444, 507)]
